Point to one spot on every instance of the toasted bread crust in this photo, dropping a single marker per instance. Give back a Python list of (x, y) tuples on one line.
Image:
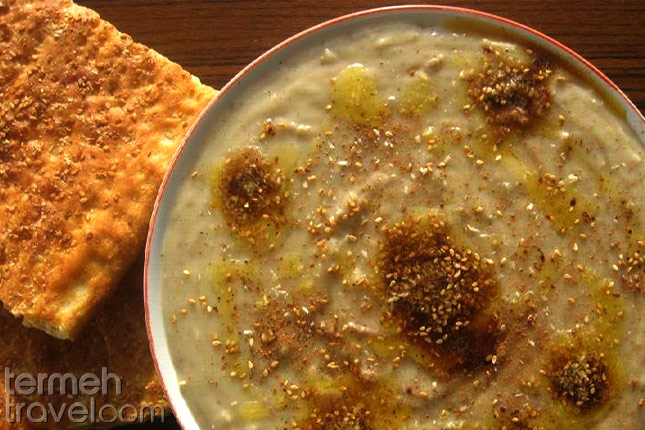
[(115, 339), (7, 418), (89, 121)]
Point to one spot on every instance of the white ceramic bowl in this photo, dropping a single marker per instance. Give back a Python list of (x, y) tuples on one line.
[(187, 153)]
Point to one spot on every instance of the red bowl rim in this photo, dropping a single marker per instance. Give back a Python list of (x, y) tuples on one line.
[(289, 41)]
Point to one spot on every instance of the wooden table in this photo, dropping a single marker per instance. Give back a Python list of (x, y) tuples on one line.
[(215, 39)]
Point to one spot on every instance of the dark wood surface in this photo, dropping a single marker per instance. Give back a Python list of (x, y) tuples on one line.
[(214, 39)]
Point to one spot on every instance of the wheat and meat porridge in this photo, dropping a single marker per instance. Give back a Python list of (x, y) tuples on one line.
[(412, 228)]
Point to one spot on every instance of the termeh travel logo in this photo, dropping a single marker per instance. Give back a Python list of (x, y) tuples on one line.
[(88, 386)]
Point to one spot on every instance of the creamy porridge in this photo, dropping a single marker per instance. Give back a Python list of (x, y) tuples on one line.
[(412, 228)]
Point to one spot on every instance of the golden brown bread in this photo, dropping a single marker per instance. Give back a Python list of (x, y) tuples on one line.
[(114, 339), (7, 424), (89, 121)]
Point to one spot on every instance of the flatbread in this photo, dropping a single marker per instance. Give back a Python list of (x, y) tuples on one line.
[(114, 339), (89, 121), (4, 423)]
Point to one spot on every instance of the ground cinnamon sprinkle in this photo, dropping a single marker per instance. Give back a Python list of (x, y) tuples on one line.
[(513, 94)]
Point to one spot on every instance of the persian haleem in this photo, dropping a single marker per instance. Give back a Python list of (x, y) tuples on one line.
[(409, 227), (89, 121)]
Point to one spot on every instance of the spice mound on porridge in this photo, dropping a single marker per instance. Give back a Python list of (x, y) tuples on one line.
[(440, 292), (514, 94)]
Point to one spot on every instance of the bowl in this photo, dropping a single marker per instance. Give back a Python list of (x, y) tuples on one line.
[(189, 150)]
